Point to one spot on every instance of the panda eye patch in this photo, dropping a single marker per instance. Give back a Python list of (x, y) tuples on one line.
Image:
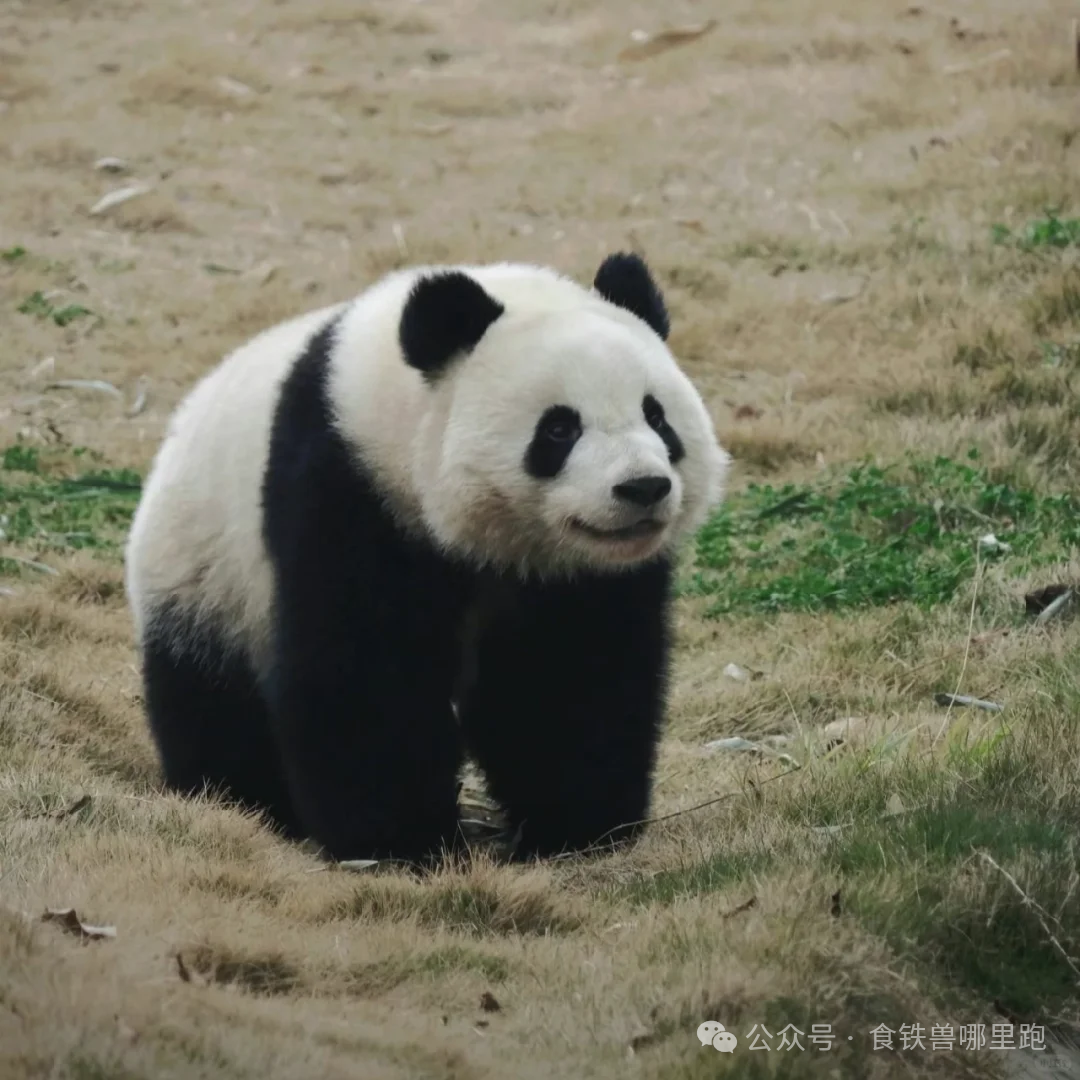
[(654, 413), (556, 433), (655, 418), (560, 424)]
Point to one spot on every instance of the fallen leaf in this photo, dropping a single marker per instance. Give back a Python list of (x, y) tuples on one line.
[(141, 396), (262, 273), (79, 804), (963, 699), (357, 865), (1037, 602), (654, 44), (1056, 607), (752, 902), (838, 731), (234, 86), (67, 919), (693, 224), (985, 61), (748, 412), (639, 1042), (736, 742), (115, 198), (86, 384), (488, 1002)]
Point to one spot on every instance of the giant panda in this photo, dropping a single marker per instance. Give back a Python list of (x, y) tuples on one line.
[(433, 521)]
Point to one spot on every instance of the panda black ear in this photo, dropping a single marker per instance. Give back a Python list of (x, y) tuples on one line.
[(445, 315), (624, 280)]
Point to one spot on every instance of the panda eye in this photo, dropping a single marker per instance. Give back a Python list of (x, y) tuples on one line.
[(561, 425), (654, 413)]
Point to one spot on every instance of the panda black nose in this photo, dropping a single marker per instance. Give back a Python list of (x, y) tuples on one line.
[(643, 490)]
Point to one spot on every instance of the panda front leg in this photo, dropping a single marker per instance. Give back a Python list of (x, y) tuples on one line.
[(567, 708), (360, 704)]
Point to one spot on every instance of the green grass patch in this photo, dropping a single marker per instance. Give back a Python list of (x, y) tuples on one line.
[(873, 536), (692, 879), (13, 254), (19, 458), (39, 305), (49, 512), (1048, 231), (971, 925)]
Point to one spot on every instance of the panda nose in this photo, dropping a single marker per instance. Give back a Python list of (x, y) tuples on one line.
[(643, 490)]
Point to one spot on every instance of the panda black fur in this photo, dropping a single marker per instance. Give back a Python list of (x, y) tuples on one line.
[(436, 520)]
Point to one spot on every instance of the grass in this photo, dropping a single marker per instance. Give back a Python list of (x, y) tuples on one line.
[(53, 513), (39, 305), (864, 220), (876, 535), (1049, 231)]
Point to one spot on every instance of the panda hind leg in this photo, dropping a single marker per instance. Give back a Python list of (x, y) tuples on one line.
[(211, 726)]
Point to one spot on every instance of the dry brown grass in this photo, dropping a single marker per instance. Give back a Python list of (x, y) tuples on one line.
[(816, 188)]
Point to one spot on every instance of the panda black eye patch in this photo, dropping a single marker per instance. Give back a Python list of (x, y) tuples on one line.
[(556, 433), (655, 418)]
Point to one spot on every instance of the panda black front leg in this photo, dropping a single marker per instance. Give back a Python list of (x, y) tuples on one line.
[(359, 682), (567, 708)]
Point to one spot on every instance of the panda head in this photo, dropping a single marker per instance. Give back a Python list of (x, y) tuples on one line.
[(559, 433)]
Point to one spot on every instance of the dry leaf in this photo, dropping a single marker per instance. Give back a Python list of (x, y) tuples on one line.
[(654, 44), (141, 396), (639, 1042), (693, 224), (67, 919), (1056, 607), (234, 86), (74, 808), (115, 198), (86, 384), (752, 902), (357, 865), (974, 65), (488, 1002), (748, 412), (964, 699)]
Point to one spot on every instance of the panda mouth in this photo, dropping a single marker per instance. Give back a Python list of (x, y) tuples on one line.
[(639, 530)]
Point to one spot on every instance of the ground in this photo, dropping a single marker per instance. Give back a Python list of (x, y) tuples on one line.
[(864, 218)]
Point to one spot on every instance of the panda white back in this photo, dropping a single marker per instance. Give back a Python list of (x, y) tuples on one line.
[(195, 537)]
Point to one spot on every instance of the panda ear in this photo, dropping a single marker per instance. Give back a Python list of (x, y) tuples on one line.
[(624, 280), (445, 315)]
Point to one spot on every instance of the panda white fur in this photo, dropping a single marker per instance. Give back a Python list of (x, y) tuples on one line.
[(435, 520)]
